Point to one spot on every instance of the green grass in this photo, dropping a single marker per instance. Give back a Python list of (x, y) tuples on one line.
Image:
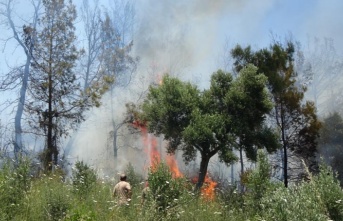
[(50, 197)]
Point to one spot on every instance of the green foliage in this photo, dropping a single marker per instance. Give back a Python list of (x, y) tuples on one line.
[(50, 198), (293, 203), (15, 182), (208, 121), (57, 205), (294, 118), (84, 178), (259, 180), (164, 189), (55, 103), (330, 192)]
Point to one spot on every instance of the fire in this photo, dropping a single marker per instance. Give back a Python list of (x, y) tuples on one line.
[(208, 188), (150, 144), (151, 148), (171, 162)]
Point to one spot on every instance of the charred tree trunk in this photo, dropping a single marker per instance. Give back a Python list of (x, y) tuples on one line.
[(285, 165), (50, 143), (205, 159)]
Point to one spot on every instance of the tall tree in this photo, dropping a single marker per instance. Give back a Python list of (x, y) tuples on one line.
[(55, 95), (295, 119), (20, 74), (116, 58), (205, 122), (92, 21)]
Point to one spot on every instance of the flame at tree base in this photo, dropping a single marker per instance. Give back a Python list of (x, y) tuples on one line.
[(208, 188), (151, 148)]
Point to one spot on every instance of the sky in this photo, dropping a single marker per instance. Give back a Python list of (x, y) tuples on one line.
[(191, 39)]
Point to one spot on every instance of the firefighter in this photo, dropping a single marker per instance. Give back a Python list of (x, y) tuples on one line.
[(122, 191)]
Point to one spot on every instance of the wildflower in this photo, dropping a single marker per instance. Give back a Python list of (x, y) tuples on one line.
[(338, 201), (217, 213), (167, 182), (95, 201)]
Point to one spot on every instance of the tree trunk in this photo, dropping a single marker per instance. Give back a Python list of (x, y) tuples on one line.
[(114, 142), (241, 160), (18, 145), (202, 171), (242, 167), (232, 174), (50, 144), (285, 164)]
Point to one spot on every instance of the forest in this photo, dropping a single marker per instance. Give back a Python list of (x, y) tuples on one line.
[(259, 139)]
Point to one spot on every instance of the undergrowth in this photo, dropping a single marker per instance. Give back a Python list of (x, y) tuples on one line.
[(87, 197)]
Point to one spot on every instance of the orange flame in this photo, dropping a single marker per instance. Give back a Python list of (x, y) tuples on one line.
[(151, 148), (208, 188), (174, 168), (150, 144)]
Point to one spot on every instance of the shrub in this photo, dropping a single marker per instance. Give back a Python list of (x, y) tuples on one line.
[(57, 205), (14, 183), (84, 178), (258, 181), (292, 203), (331, 194), (164, 189)]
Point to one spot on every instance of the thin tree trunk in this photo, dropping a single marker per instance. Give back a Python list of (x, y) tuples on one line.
[(242, 167), (232, 174), (18, 145), (50, 148), (114, 142), (285, 160)]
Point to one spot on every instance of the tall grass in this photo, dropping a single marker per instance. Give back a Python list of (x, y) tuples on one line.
[(50, 197)]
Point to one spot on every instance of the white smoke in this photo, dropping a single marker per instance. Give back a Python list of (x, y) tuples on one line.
[(184, 38)]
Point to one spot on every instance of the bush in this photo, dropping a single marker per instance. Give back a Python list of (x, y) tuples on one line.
[(15, 181), (331, 194), (258, 181), (165, 190), (84, 178), (293, 203), (57, 205)]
